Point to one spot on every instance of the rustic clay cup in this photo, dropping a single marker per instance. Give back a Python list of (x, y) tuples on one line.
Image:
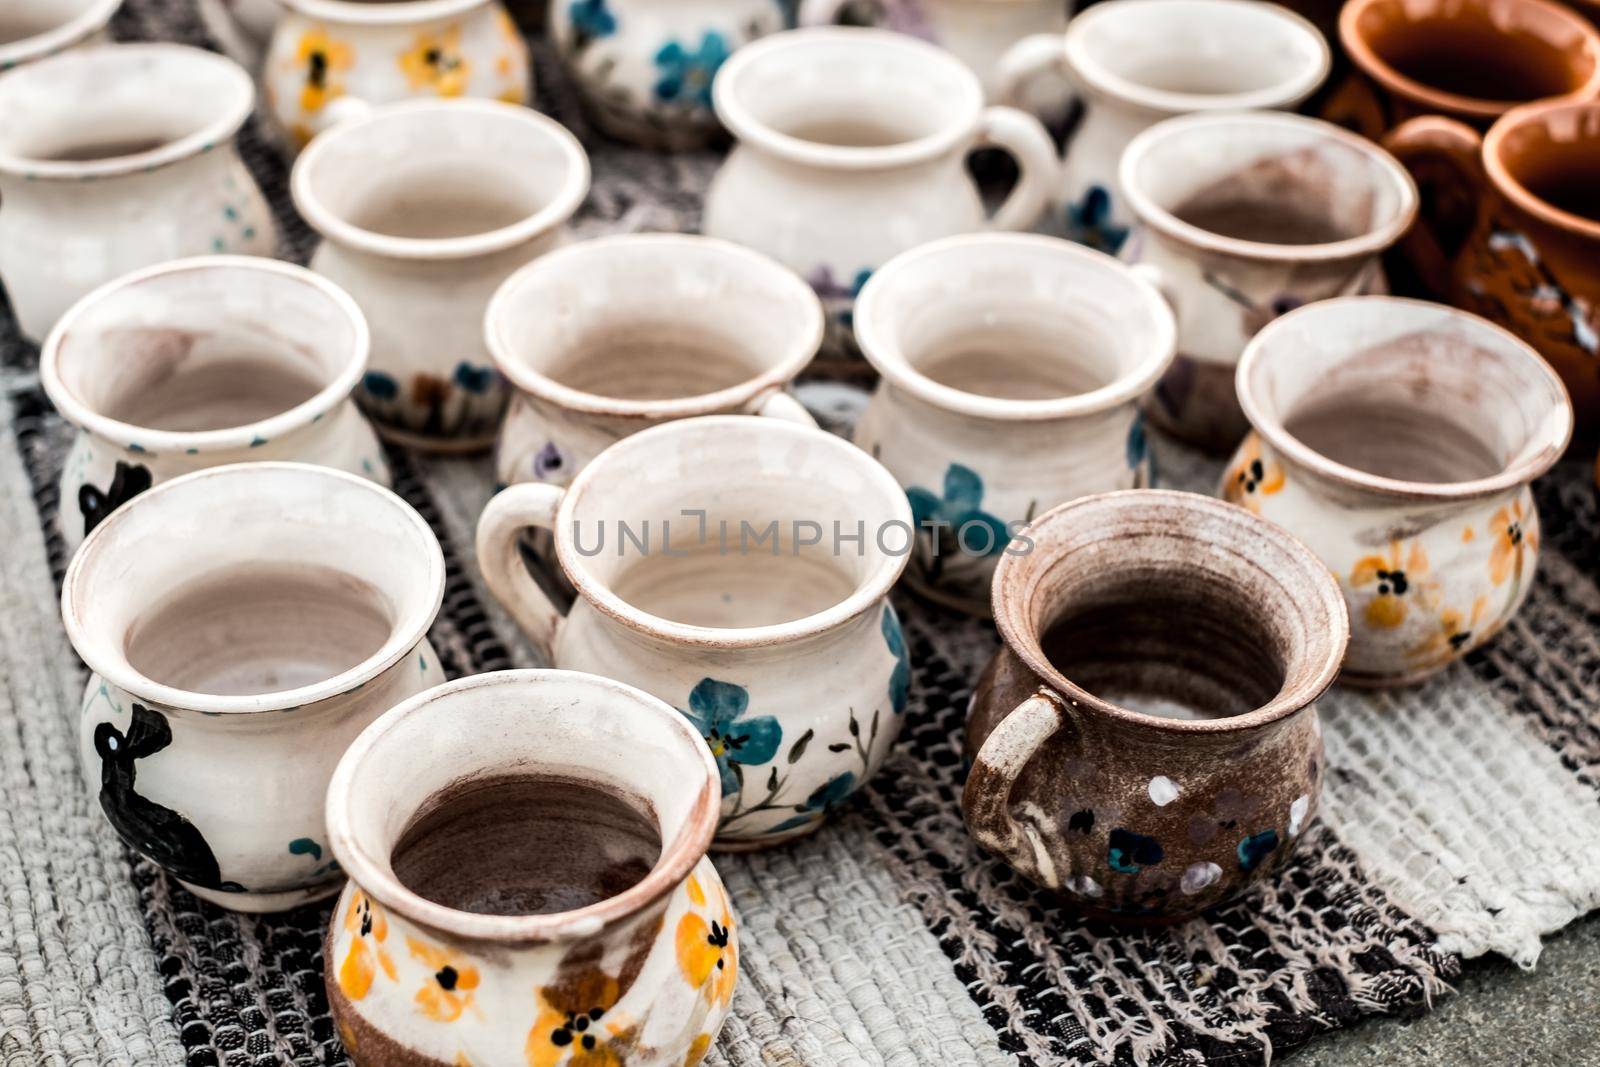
[(642, 976), (33, 29), (1398, 439), (1146, 740), (244, 624)]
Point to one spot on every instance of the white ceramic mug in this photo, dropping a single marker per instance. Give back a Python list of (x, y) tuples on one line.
[(33, 29), (201, 363), (115, 157), (755, 603), (425, 208), (241, 28), (244, 624), (1137, 62)]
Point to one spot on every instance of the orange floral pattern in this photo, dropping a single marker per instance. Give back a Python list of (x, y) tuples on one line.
[(1455, 634), (323, 58), (579, 1023), (1252, 477), (1398, 579), (435, 62), (448, 991), (706, 953), (1515, 531), (369, 928)]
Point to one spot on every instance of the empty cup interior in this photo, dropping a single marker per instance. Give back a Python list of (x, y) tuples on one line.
[(1554, 155)]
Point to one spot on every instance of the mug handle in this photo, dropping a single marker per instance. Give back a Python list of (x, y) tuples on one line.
[(508, 513), (778, 404), (986, 800), (820, 12), (1025, 139), (1431, 245), (340, 109), (1032, 57)]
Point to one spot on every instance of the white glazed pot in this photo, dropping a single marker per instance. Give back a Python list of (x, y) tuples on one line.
[(211, 610), (201, 363), (115, 157), (33, 29), (1012, 368), (241, 27), (745, 607)]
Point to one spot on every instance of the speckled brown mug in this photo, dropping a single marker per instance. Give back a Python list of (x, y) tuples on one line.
[(1146, 740)]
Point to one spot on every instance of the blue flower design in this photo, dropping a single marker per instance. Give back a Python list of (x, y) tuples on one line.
[(684, 76), (380, 385), (826, 797), (716, 709), (958, 511), (1129, 852), (900, 679), (1138, 445), (591, 19), (1255, 848), (474, 379), (1089, 221)]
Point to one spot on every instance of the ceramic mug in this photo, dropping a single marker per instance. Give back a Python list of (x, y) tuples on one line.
[(1012, 367), (1140, 61), (1398, 439), (242, 28), (852, 148), (33, 29), (328, 58), (425, 208), (643, 68), (1146, 739), (114, 157), (588, 921), (1242, 217), (201, 363), (737, 568), (244, 624)]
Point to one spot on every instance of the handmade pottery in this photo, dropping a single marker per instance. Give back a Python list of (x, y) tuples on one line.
[(738, 568), (1146, 740), (852, 148), (243, 624), (1140, 61), (333, 59), (1398, 439), (1012, 367), (33, 29), (643, 68), (201, 363), (425, 208), (114, 157), (242, 28), (1241, 218), (495, 938)]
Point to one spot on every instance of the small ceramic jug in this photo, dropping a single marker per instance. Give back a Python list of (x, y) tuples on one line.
[(244, 624), (425, 208), (643, 68), (606, 337), (201, 363), (1243, 217), (328, 57), (1398, 439), (1146, 740), (738, 568), (115, 157), (1012, 367), (852, 148), (1140, 61), (435, 958), (33, 29)]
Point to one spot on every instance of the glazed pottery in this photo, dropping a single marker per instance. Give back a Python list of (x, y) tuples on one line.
[(606, 337), (852, 148), (244, 624), (1012, 367), (738, 568), (425, 208), (1146, 740), (1398, 439), (201, 363), (331, 59), (1514, 233), (1137, 62), (447, 960), (114, 157), (242, 28), (1241, 218), (33, 29), (643, 68)]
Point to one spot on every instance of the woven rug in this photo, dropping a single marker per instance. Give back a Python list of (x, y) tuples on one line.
[(1460, 818)]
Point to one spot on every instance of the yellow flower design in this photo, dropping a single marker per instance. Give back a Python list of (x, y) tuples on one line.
[(323, 59), (370, 927), (1454, 635), (1253, 477), (697, 1051), (706, 953), (448, 990), (1398, 576), (1515, 532), (435, 62)]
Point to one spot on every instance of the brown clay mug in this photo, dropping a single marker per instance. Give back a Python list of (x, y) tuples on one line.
[(1146, 739)]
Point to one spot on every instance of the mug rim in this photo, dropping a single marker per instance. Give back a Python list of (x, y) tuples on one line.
[(91, 20), (748, 129), (332, 227), (1269, 425), (389, 14), (1286, 93), (404, 633), (231, 438), (1168, 225), (678, 857), (213, 135), (869, 591), (1511, 187), (891, 362), (508, 298), (1424, 95)]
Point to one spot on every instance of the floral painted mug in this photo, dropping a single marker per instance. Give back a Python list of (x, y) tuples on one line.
[(425, 207), (244, 624), (201, 363), (737, 568), (536, 891), (1398, 439), (33, 29), (1012, 367)]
